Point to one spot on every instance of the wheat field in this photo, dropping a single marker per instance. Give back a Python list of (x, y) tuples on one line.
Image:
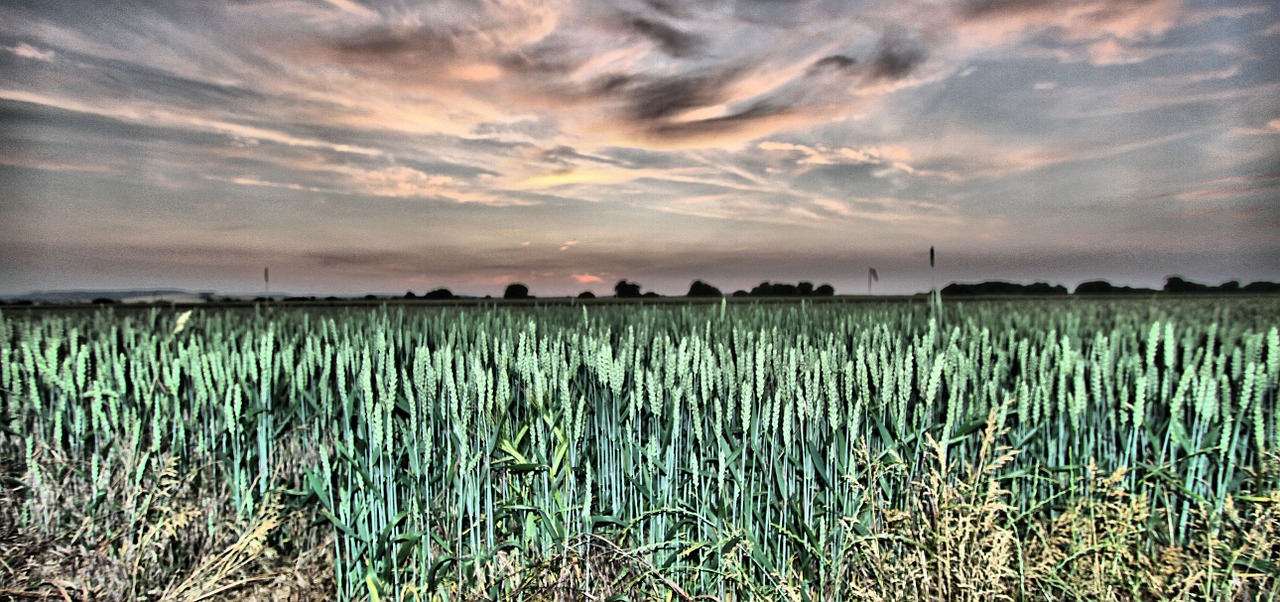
[(1103, 449)]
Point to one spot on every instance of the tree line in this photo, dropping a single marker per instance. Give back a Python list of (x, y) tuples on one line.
[(1172, 284), (625, 289)]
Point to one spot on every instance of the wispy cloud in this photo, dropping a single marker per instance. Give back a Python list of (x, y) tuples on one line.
[(392, 182), (156, 116), (1102, 32), (27, 51), (1232, 188), (892, 156), (52, 164)]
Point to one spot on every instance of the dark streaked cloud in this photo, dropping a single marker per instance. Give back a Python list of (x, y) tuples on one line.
[(760, 113), (996, 8), (631, 74), (665, 98), (836, 62), (673, 41), (896, 56)]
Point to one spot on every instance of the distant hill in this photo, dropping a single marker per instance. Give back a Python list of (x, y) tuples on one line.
[(123, 296)]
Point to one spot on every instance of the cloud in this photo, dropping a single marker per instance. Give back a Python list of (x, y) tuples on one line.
[(1101, 32), (1079, 19), (396, 181), (752, 121), (887, 209), (1199, 15), (586, 278), (657, 77), (27, 51), (835, 62), (671, 40), (895, 156), (1271, 128), (1230, 188), (253, 181), (353, 8), (564, 177), (769, 145), (1195, 77), (31, 160), (670, 97), (161, 117), (447, 38), (896, 56)]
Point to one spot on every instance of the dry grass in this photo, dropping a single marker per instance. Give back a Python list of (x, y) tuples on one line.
[(958, 540), (165, 548), (954, 542), (1094, 549)]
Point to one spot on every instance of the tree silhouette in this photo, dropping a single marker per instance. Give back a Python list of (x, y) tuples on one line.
[(1261, 287), (702, 289), (1000, 287), (1175, 284), (516, 290), (586, 295), (768, 289), (803, 289), (626, 290), (441, 294), (1102, 287)]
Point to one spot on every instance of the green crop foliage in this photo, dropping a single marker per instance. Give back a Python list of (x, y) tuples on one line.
[(738, 451)]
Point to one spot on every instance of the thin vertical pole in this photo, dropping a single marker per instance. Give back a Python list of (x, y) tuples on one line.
[(935, 300)]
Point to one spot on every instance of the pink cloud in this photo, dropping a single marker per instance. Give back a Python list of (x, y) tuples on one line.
[(1101, 32), (27, 51), (586, 278), (30, 161), (605, 78)]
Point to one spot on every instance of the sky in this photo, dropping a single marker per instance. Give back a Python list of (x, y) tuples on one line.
[(353, 146)]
